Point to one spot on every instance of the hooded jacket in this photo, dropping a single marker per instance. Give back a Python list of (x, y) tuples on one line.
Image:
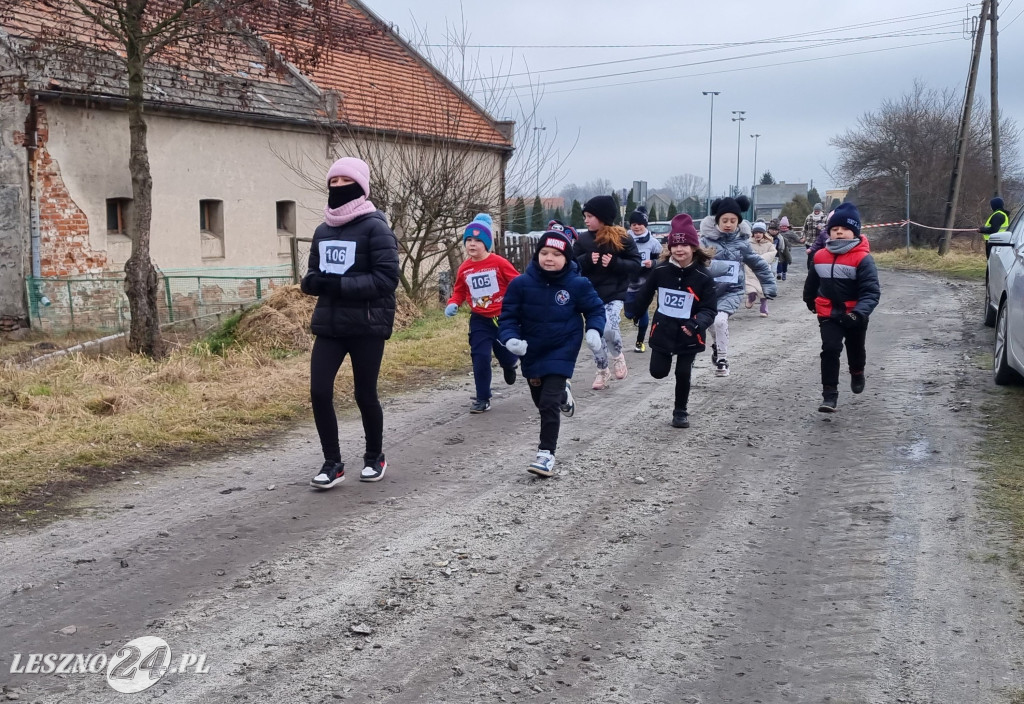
[(844, 279), (548, 311), (733, 252), (686, 299), (766, 250), (610, 281), (355, 285), (649, 248)]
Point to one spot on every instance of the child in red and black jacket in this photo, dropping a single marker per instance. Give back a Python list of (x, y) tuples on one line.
[(687, 306), (842, 288), (482, 281)]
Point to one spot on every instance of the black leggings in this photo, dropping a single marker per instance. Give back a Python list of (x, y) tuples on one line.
[(548, 392), (832, 337), (328, 354), (661, 365)]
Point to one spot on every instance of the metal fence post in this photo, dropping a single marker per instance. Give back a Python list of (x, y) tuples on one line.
[(71, 305), (167, 294), (294, 246), (259, 290)]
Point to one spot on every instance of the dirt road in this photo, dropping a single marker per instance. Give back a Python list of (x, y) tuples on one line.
[(769, 553)]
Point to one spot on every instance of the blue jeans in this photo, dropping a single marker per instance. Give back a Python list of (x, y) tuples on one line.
[(483, 339), (644, 317)]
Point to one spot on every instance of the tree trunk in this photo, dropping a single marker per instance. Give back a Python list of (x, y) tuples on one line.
[(141, 283)]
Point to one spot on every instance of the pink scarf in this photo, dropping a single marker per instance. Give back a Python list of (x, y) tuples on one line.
[(348, 212)]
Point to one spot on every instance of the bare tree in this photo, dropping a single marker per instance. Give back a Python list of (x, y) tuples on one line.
[(685, 185), (117, 43), (917, 133)]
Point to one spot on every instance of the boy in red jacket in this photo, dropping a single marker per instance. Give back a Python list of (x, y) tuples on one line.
[(482, 281), (842, 288)]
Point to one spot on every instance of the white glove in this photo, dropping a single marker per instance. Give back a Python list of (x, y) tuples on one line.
[(451, 309), (516, 346), (593, 338)]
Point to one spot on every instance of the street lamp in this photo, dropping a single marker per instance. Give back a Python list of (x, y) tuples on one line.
[(738, 119), (536, 141), (753, 193), (711, 139)]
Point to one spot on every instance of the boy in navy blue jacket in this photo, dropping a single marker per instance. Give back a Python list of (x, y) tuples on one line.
[(542, 321)]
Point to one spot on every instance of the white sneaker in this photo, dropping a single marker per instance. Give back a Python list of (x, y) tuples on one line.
[(722, 367), (619, 367), (601, 379), (568, 407), (544, 465)]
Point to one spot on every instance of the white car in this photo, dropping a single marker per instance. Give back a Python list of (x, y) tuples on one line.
[(660, 229), (1004, 300)]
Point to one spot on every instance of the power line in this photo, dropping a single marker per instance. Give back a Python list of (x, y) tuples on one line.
[(742, 68), (1004, 27)]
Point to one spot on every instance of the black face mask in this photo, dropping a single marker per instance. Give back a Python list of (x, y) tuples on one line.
[(339, 195)]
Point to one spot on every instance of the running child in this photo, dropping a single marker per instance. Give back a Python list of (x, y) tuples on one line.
[(481, 281), (762, 244), (542, 321), (843, 289), (649, 248), (608, 256), (720, 233), (687, 306)]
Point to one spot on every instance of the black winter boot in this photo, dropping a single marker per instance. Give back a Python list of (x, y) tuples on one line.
[(829, 399), (857, 382), (680, 419)]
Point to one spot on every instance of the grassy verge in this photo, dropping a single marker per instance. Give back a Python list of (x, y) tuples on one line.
[(68, 420), (1003, 452), (961, 265)]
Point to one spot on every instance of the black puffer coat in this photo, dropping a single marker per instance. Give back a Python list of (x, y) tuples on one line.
[(356, 285), (610, 281), (677, 289)]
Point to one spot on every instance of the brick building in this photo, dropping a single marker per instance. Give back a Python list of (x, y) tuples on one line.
[(237, 145)]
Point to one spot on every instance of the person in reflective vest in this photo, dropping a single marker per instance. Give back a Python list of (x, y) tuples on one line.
[(998, 221)]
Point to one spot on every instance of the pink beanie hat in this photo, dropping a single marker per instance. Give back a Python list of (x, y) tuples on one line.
[(355, 169)]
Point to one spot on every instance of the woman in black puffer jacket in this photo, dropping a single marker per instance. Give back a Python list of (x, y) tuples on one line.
[(353, 271)]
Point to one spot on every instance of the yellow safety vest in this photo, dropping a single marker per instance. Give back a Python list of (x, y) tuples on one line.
[(1006, 221)]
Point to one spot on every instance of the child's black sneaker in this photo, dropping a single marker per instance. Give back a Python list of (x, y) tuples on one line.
[(829, 402), (639, 346), (509, 374), (331, 474), (374, 469), (680, 419), (480, 406), (722, 367), (568, 405), (857, 383)]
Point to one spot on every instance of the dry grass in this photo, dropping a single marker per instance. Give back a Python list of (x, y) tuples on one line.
[(957, 264), (61, 421), (1003, 450)]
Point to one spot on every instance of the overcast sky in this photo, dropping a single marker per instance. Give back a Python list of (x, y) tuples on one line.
[(798, 81)]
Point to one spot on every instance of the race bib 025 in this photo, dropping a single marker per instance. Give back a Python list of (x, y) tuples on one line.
[(675, 303)]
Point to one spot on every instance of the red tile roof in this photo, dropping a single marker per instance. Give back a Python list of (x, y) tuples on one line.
[(383, 83)]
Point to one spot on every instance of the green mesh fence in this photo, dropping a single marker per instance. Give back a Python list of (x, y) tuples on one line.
[(60, 304)]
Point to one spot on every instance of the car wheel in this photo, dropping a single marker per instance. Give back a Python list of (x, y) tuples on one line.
[(1002, 372), (990, 310)]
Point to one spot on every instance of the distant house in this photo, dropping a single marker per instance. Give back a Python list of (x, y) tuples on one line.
[(834, 194), (769, 199), (221, 132), (660, 200)]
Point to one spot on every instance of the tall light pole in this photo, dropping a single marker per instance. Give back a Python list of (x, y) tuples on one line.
[(711, 140), (753, 193), (738, 119), (536, 142)]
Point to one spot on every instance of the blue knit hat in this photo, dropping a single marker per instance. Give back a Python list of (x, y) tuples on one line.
[(480, 228), (846, 215)]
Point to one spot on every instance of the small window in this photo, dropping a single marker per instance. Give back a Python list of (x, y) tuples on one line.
[(117, 215), (211, 228), (286, 217)]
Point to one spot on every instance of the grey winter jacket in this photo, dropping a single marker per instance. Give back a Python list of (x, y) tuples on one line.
[(733, 251), (649, 248)]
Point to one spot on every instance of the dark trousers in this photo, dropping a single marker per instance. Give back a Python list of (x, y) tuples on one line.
[(661, 365), (783, 266), (629, 308), (328, 354), (548, 393), (483, 339), (832, 336)]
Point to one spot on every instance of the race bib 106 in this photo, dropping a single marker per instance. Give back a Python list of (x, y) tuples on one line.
[(675, 303), (336, 257), (733, 276)]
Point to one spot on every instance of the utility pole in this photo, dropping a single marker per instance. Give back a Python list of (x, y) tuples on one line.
[(997, 176), (711, 140), (536, 142), (961, 137), (753, 186), (907, 181)]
